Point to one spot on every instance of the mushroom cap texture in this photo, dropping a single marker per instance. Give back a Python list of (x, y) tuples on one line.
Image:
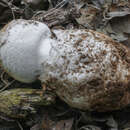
[(19, 44), (89, 70), (86, 69)]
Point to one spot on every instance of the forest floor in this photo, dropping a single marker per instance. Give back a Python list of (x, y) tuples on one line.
[(111, 17)]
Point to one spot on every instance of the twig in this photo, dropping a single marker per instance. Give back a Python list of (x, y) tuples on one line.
[(63, 113), (2, 78), (51, 11), (9, 4), (6, 119), (7, 85), (61, 4), (19, 125)]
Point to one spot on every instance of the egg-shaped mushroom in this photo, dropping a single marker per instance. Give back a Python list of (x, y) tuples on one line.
[(86, 69)]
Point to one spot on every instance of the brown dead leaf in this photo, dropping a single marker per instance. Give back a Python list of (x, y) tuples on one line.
[(64, 125), (88, 16), (49, 124)]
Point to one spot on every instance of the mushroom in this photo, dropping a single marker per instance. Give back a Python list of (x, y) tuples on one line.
[(87, 69)]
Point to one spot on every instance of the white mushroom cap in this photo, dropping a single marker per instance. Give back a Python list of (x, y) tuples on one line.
[(20, 42)]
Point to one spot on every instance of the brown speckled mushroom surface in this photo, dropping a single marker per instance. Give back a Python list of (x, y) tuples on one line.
[(91, 72)]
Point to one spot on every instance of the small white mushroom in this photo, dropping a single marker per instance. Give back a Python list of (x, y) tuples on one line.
[(88, 70)]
